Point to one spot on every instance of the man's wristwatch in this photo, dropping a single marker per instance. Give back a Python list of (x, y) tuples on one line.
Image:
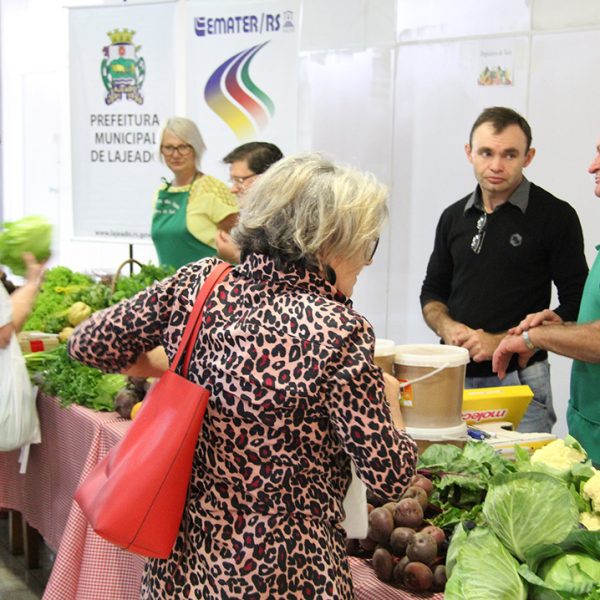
[(527, 340)]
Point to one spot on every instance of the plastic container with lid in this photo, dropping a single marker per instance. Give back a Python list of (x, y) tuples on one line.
[(385, 353), (425, 437), (432, 377)]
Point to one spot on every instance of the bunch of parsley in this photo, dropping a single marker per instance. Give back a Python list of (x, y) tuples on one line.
[(72, 382)]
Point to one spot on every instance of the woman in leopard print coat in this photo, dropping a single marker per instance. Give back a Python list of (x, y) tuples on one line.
[(295, 396)]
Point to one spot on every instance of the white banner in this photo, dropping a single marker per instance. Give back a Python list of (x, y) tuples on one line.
[(122, 90), (242, 81)]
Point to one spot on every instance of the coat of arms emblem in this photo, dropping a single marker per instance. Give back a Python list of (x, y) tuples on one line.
[(123, 70)]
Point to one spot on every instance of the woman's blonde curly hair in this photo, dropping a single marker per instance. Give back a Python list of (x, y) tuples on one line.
[(306, 209)]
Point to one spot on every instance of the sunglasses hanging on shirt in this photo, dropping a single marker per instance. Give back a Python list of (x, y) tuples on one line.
[(477, 241)]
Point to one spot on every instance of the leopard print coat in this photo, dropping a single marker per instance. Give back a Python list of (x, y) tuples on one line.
[(295, 397)]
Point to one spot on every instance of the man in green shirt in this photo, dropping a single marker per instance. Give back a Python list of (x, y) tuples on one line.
[(580, 342)]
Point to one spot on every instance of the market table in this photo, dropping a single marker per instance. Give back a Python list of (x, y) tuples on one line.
[(86, 566), (74, 439)]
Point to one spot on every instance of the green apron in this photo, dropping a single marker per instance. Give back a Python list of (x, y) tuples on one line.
[(174, 244), (583, 413)]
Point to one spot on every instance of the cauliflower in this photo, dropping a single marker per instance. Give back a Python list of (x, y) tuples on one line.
[(591, 491), (558, 455), (591, 521)]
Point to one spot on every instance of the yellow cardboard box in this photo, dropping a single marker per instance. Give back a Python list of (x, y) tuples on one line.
[(504, 403)]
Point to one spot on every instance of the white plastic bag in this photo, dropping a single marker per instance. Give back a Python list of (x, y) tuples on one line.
[(356, 522), (19, 423)]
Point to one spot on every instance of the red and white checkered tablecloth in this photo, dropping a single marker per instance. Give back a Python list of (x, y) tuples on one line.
[(368, 587), (86, 566), (74, 439), (44, 494)]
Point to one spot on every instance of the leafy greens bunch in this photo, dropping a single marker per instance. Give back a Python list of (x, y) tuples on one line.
[(529, 543), (461, 478), (53, 371), (61, 289), (126, 287), (72, 382)]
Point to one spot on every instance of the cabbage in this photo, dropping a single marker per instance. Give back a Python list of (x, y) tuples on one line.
[(30, 234), (527, 509), (482, 568), (575, 573), (570, 569)]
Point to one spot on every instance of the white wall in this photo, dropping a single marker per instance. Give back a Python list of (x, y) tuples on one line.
[(388, 85), (554, 46)]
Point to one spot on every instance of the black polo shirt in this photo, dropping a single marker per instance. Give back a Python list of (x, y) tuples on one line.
[(529, 242)]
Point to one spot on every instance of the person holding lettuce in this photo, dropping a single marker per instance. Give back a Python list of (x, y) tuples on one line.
[(15, 308), (546, 331), (19, 423)]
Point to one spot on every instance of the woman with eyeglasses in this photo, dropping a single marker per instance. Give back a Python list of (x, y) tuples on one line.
[(295, 394), (194, 206)]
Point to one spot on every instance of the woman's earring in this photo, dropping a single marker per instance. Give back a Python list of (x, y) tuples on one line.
[(330, 274)]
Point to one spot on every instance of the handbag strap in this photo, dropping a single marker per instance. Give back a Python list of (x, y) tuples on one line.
[(195, 320)]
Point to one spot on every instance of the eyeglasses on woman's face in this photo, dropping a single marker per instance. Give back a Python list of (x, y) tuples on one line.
[(182, 150), (371, 249), (477, 241)]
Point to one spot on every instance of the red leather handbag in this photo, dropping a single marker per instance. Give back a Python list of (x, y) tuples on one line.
[(134, 497)]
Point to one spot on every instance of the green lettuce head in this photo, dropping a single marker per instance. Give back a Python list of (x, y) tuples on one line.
[(570, 569), (30, 234), (481, 568), (529, 508)]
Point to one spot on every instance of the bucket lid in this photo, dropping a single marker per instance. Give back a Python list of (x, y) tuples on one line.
[(384, 347), (431, 355), (438, 433)]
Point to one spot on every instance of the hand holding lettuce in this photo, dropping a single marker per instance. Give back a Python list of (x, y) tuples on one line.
[(31, 234)]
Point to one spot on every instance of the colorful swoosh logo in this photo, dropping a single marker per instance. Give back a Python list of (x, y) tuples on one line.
[(235, 98)]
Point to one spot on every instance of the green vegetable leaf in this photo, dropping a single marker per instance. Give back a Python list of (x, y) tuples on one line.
[(439, 455), (529, 508), (126, 287), (106, 390), (461, 479), (481, 568), (71, 381), (60, 289)]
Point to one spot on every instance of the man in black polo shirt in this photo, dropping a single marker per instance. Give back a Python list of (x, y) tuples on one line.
[(496, 253)]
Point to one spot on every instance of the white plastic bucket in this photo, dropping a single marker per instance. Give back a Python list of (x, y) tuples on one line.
[(432, 378), (424, 437), (385, 353)]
